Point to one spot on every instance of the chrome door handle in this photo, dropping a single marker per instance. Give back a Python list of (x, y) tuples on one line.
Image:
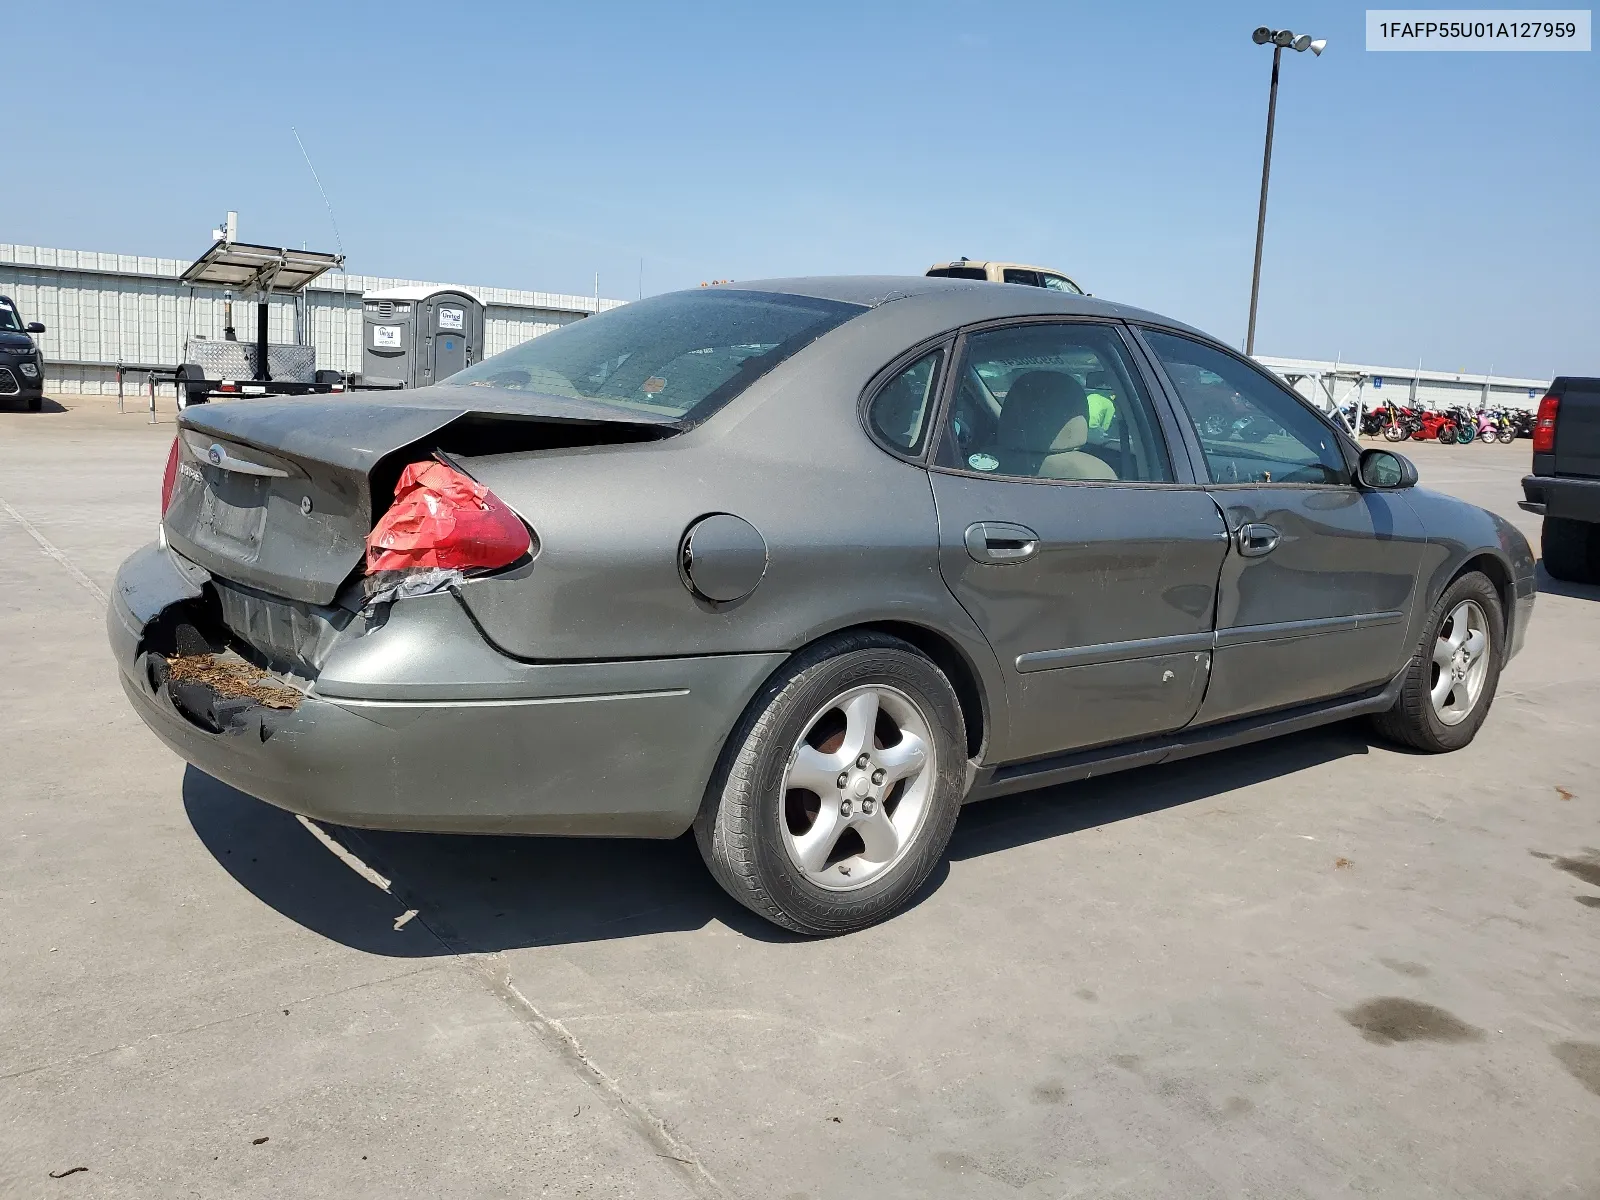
[(1256, 539), (998, 542)]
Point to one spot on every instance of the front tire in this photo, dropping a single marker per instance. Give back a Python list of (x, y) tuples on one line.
[(838, 790), (1451, 679), (1393, 433), (1571, 550)]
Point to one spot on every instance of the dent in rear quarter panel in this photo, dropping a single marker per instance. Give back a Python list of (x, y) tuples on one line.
[(1458, 532), (851, 532)]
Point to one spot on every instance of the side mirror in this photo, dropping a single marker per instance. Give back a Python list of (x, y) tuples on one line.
[(1384, 470), (35, 327)]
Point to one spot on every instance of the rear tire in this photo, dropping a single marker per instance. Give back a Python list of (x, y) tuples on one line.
[(1571, 550), (1437, 713), (785, 838)]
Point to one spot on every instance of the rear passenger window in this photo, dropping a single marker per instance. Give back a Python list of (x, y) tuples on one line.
[(1031, 278), (899, 412), (1052, 401)]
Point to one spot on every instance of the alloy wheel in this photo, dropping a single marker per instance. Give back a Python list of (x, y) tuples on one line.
[(1460, 662), (857, 787)]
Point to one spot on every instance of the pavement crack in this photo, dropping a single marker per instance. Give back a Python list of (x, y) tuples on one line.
[(488, 968), (53, 551), (652, 1128)]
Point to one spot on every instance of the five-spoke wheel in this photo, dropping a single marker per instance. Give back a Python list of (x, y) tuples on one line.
[(857, 786), (1449, 684), (838, 790), (1460, 662)]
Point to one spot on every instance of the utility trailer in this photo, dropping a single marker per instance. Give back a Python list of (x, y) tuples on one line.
[(258, 367)]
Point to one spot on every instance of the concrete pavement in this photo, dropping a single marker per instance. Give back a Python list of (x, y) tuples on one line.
[(1316, 967)]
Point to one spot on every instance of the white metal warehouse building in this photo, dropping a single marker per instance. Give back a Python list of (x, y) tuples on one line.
[(1332, 385), (102, 310)]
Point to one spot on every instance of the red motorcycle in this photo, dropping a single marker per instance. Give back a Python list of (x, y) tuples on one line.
[(1438, 425)]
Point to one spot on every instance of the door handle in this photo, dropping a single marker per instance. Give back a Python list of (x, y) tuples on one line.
[(998, 542), (1256, 539)]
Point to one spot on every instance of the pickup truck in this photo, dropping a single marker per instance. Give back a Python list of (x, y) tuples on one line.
[(1565, 485)]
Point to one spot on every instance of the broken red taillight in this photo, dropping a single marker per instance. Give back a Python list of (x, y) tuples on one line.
[(169, 477), (443, 519)]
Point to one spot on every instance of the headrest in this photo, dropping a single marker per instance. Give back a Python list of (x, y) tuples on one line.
[(1044, 412)]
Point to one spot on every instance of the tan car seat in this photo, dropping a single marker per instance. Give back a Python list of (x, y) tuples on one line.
[(1043, 423)]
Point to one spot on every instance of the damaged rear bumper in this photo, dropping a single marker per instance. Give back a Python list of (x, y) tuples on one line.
[(419, 724)]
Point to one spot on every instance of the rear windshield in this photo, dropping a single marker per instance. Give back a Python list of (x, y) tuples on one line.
[(957, 273), (683, 355)]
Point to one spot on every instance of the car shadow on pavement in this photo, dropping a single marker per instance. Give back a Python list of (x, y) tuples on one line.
[(472, 894), (1549, 585), (12, 404), (478, 894)]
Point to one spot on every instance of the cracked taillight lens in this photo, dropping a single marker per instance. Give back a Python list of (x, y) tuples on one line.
[(443, 519)]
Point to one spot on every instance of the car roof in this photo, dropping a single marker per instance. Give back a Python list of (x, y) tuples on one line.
[(967, 300), (985, 263)]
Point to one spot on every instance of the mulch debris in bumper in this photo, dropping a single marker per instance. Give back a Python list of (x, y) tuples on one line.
[(230, 677)]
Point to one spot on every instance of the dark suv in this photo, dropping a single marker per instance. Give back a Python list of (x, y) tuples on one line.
[(21, 364), (1565, 484)]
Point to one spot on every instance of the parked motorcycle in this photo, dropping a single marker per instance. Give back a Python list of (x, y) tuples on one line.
[(1497, 425), (1400, 424), (1435, 425), (1372, 421)]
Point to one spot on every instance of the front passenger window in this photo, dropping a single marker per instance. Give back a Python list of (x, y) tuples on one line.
[(1060, 283), (1250, 429)]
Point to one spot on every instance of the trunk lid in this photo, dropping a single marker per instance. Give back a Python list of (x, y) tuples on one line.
[(280, 493)]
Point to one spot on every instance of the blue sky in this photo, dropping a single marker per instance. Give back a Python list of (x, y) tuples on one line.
[(1441, 206)]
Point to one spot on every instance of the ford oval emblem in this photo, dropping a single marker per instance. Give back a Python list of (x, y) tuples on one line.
[(215, 455)]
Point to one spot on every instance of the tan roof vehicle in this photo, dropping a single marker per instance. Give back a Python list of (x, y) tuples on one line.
[(1005, 272)]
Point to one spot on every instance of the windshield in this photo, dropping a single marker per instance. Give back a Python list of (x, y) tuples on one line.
[(9, 321), (682, 355)]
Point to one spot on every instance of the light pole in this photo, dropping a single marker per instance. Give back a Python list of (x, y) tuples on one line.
[(1280, 39)]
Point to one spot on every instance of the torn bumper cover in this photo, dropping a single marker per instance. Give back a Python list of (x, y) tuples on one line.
[(418, 723)]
